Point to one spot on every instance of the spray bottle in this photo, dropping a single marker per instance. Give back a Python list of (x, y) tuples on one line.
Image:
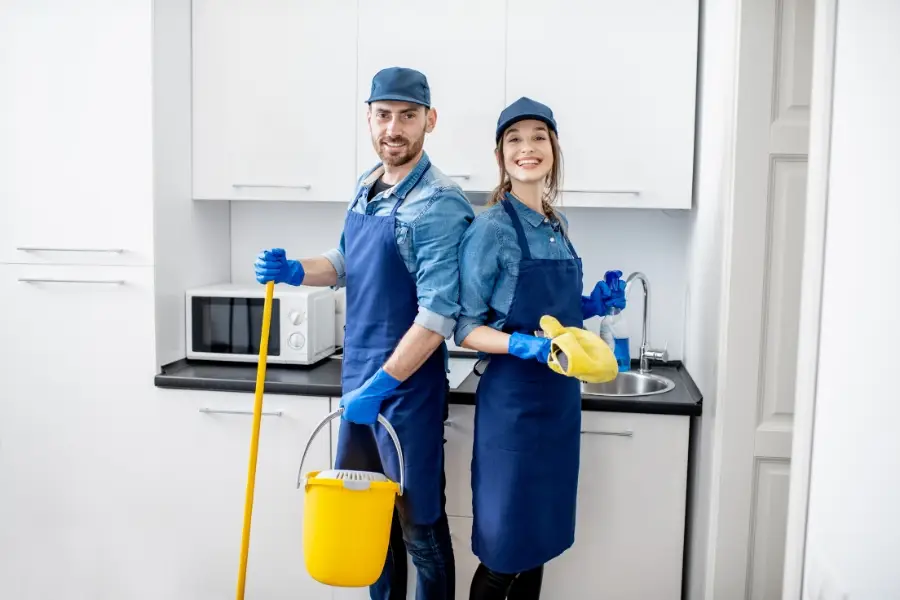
[(619, 328)]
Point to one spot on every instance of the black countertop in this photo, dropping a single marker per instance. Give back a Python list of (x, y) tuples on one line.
[(324, 379)]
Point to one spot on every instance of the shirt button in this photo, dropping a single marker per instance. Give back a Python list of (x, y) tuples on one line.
[(546, 219), (552, 239)]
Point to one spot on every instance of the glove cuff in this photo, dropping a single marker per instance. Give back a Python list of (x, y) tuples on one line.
[(295, 273)]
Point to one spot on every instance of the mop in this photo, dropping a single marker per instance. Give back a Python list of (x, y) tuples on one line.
[(254, 438)]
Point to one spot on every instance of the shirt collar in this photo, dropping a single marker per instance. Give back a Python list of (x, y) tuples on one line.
[(531, 216), (405, 185)]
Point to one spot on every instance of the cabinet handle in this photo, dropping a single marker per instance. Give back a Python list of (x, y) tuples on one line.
[(100, 281), (627, 433), (217, 411), (625, 192), (302, 186), (40, 249), (460, 176)]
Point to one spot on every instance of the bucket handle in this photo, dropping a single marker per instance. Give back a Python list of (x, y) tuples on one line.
[(328, 418)]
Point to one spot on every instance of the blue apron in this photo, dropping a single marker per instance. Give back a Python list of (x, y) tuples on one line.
[(382, 304), (528, 428)]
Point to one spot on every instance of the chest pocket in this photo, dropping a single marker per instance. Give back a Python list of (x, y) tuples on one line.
[(403, 234)]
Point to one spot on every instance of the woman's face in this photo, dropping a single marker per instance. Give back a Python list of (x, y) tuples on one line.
[(527, 152)]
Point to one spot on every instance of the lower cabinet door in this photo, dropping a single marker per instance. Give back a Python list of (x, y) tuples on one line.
[(206, 456), (631, 507)]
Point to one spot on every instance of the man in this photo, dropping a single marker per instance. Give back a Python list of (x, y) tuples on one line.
[(397, 258)]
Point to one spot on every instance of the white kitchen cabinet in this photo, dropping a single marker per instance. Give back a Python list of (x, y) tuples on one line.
[(274, 99), (79, 435), (631, 509), (620, 78), (458, 45), (205, 459), (459, 431), (76, 147)]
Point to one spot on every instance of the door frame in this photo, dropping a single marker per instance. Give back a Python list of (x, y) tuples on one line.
[(743, 306), (824, 39)]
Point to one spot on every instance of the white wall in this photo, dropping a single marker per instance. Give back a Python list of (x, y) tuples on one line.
[(853, 529), (650, 241), (705, 263), (191, 238)]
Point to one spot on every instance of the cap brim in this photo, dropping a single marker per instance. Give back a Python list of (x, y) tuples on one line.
[(396, 98)]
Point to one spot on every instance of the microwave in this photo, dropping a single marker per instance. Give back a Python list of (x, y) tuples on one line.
[(224, 323)]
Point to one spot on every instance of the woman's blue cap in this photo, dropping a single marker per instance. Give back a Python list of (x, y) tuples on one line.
[(521, 109)]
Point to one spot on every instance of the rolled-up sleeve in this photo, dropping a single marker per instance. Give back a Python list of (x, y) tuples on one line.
[(436, 235), (479, 267), (336, 257)]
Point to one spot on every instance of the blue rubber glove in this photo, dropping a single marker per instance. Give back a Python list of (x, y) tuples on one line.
[(529, 347), (273, 265), (363, 404), (609, 293), (616, 286)]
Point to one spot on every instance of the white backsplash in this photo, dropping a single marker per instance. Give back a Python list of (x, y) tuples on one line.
[(651, 241)]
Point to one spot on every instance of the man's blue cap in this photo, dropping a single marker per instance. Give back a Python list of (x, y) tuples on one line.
[(401, 84), (521, 109)]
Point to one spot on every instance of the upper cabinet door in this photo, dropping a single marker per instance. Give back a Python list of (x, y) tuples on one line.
[(620, 78), (459, 46), (76, 147), (274, 99)]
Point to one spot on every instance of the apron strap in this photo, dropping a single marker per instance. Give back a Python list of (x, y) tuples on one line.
[(517, 224)]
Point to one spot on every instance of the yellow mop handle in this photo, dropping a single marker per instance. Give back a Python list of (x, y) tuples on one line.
[(254, 439)]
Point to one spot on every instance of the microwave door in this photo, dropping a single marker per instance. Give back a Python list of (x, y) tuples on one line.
[(232, 326)]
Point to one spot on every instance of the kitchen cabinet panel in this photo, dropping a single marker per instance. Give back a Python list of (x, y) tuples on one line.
[(458, 45), (620, 78), (274, 99), (459, 431), (631, 510), (205, 459), (79, 484), (76, 145)]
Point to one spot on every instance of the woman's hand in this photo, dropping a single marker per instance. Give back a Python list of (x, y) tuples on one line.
[(609, 293)]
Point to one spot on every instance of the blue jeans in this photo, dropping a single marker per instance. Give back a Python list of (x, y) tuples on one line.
[(432, 555)]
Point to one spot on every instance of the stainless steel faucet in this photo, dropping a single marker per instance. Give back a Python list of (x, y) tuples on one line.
[(646, 353)]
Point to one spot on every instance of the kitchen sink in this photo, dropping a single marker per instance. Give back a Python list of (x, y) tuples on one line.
[(629, 384)]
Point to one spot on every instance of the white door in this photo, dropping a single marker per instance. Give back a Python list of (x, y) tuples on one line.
[(459, 46), (76, 146), (758, 399), (620, 78), (274, 99)]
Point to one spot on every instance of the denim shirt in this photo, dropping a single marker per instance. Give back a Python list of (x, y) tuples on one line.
[(489, 256), (430, 222)]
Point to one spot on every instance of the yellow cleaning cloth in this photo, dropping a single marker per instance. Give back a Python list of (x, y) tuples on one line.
[(579, 353)]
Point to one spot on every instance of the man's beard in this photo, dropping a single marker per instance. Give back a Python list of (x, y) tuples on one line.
[(394, 159)]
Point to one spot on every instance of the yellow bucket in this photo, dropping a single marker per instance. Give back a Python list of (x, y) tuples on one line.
[(347, 519)]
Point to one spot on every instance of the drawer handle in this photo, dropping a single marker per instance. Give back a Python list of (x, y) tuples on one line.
[(302, 186), (100, 281), (39, 249), (627, 433), (218, 411), (460, 176)]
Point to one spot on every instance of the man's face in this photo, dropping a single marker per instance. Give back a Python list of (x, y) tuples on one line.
[(398, 130)]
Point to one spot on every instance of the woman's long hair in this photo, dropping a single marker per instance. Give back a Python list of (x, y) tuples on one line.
[(553, 180)]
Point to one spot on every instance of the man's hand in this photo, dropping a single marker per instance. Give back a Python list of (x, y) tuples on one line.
[(363, 404)]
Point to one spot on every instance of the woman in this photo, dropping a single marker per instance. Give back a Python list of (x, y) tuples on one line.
[(517, 264)]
